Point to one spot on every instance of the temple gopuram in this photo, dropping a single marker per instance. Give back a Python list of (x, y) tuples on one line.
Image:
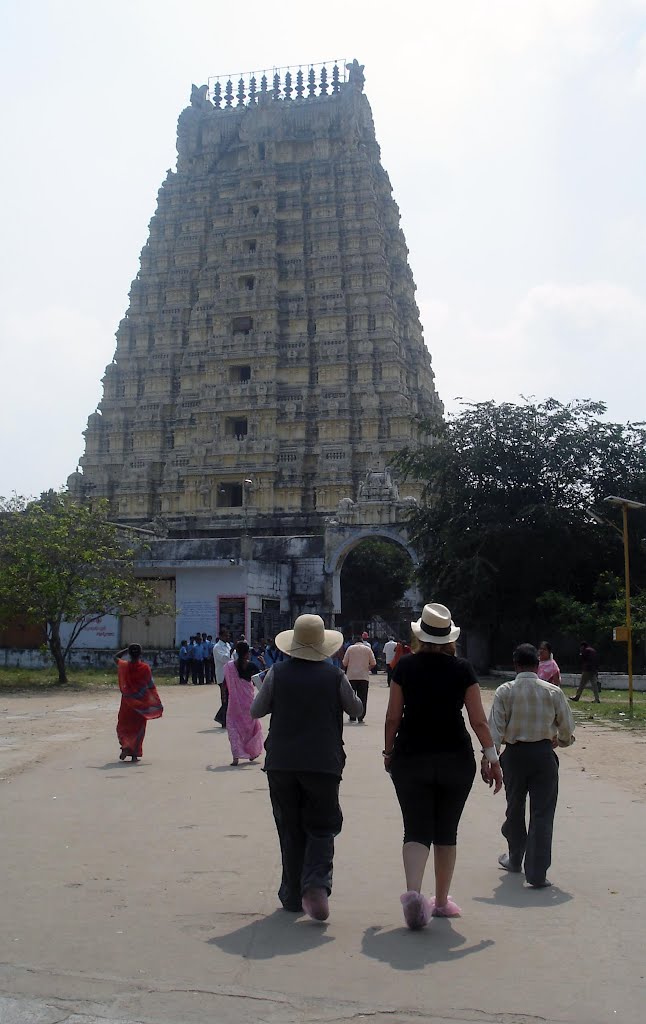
[(271, 362)]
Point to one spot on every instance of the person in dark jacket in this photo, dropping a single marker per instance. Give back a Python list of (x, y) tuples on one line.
[(589, 672), (306, 696)]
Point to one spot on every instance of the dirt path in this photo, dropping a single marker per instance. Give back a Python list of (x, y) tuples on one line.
[(34, 726)]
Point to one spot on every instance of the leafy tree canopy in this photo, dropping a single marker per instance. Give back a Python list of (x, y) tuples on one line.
[(374, 578), (508, 490), (64, 562)]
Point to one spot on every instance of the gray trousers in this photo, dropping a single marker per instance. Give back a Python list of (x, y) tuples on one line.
[(588, 677), (530, 769)]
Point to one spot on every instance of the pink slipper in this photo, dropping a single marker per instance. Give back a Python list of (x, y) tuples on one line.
[(417, 910), (450, 909)]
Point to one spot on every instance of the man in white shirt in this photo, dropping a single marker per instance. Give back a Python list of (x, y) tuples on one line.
[(357, 661), (389, 653), (531, 717)]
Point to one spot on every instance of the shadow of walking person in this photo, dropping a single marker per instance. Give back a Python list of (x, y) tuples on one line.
[(511, 891), (405, 950), (279, 934)]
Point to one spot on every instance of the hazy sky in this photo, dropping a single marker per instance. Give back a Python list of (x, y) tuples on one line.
[(512, 131)]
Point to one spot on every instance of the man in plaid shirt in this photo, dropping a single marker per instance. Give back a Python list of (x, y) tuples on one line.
[(531, 717)]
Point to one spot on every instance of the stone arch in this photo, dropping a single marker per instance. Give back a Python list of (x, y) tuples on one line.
[(339, 546)]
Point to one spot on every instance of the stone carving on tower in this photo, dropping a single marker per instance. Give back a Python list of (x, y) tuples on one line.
[(271, 358)]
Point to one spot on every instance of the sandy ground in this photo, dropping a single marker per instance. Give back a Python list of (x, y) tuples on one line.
[(147, 892), (33, 725)]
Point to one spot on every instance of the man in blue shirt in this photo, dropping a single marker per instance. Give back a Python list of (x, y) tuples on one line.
[(184, 663), (198, 661)]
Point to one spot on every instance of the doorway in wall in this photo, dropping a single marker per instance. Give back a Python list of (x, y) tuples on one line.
[(232, 615)]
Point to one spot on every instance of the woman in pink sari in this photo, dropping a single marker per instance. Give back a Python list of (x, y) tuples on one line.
[(245, 732), (139, 702)]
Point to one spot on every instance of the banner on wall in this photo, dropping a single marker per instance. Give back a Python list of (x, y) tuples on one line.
[(102, 634)]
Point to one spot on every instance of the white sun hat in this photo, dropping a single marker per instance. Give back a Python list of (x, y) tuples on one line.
[(309, 639), (435, 625)]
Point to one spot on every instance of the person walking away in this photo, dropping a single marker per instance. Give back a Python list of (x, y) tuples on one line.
[(139, 701), (548, 669), (531, 717), (245, 732), (306, 697), (589, 672), (389, 654), (184, 663), (222, 656), (429, 756), (358, 660)]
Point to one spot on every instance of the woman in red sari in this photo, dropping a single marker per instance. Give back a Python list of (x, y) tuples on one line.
[(139, 702), (245, 732)]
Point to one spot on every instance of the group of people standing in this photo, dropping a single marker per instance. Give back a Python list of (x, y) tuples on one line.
[(196, 660)]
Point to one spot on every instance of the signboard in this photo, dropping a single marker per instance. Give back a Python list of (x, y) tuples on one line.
[(102, 634), (620, 633)]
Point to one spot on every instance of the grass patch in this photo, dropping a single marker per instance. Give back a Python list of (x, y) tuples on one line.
[(45, 680), (613, 709)]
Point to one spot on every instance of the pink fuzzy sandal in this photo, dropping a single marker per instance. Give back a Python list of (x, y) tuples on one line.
[(450, 909), (417, 910)]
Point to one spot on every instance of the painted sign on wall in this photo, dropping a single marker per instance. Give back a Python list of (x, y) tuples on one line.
[(103, 634)]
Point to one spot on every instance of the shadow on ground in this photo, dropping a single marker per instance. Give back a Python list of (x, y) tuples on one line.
[(512, 892), (280, 934), (110, 765), (405, 950)]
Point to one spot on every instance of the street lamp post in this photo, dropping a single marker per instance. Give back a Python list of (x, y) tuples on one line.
[(625, 504)]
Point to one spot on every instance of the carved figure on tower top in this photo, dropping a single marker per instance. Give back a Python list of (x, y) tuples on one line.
[(357, 77), (199, 97), (189, 124)]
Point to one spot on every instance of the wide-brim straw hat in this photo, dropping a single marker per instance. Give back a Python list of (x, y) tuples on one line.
[(435, 625), (309, 639)]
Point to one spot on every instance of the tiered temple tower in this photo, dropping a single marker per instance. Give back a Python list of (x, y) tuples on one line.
[(272, 354)]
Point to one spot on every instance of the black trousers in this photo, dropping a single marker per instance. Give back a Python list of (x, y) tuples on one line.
[(209, 670), (432, 790), (308, 817), (530, 769), (197, 672), (184, 667), (221, 716), (360, 687)]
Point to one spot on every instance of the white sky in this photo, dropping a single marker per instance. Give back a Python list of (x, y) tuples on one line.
[(512, 131)]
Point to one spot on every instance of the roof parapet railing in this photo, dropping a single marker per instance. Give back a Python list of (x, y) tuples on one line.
[(292, 82)]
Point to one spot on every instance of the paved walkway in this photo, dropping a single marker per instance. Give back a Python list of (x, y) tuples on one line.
[(147, 893)]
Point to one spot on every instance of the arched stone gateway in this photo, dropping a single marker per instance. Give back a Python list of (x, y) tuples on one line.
[(339, 542), (378, 512)]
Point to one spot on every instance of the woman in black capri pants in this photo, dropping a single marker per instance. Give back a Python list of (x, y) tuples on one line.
[(429, 755)]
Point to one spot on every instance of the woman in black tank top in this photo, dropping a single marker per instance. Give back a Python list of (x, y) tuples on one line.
[(429, 755)]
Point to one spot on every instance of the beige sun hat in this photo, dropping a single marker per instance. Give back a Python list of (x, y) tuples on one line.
[(435, 625), (309, 639)]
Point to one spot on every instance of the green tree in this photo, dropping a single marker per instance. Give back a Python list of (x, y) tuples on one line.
[(597, 618), (506, 499), (374, 578), (64, 562)]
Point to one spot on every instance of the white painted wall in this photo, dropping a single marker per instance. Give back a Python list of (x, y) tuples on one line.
[(197, 592)]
